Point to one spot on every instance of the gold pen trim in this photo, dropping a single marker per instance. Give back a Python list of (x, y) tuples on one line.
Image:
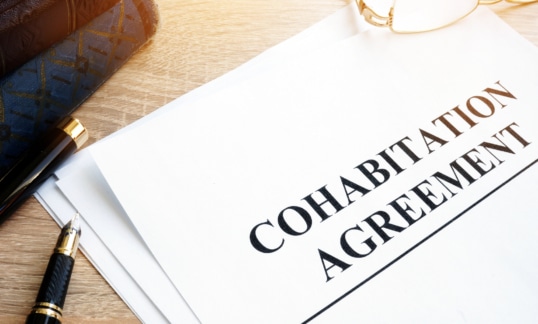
[(74, 128), (48, 309), (48, 305)]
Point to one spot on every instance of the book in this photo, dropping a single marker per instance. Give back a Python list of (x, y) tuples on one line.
[(29, 27), (34, 97)]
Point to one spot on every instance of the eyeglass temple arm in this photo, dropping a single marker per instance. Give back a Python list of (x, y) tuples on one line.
[(371, 16)]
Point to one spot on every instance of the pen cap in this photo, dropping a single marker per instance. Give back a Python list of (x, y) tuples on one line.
[(72, 127)]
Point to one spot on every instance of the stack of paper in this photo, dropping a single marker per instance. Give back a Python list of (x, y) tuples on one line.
[(367, 176)]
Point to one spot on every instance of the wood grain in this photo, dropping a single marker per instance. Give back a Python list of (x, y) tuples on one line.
[(197, 41)]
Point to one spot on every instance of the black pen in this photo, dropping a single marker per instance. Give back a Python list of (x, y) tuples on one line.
[(50, 300), (38, 163)]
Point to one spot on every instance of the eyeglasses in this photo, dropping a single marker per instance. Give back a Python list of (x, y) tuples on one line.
[(415, 16)]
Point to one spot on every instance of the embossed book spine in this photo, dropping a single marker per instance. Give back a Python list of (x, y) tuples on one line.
[(27, 27), (34, 97)]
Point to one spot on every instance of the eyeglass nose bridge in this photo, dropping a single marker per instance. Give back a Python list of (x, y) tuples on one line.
[(372, 17)]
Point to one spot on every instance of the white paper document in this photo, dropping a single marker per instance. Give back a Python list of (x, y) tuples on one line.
[(110, 241), (386, 178)]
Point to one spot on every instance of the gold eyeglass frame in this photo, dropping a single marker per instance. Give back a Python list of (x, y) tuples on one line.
[(378, 20)]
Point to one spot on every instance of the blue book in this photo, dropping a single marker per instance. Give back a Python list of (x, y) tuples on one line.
[(28, 27), (36, 96)]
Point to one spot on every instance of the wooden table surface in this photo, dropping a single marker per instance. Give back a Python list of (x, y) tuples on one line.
[(198, 40)]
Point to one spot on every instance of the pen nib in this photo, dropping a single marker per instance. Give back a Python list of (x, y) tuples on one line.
[(74, 223), (69, 237)]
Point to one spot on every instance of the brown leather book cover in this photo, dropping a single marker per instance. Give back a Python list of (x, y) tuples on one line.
[(27, 27)]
